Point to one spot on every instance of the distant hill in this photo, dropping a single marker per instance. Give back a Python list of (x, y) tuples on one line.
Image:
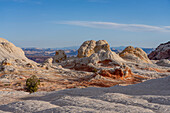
[(68, 48)]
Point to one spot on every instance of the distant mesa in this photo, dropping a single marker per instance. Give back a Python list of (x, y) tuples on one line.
[(161, 52)]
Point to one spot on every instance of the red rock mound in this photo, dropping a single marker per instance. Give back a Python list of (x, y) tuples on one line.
[(161, 52)]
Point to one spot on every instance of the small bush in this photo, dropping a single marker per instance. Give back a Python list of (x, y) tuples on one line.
[(94, 70), (32, 84)]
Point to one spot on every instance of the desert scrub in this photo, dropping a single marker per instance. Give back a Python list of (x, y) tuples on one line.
[(94, 70), (32, 84)]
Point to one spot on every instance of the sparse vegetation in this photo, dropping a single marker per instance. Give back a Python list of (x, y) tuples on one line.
[(32, 84), (94, 70)]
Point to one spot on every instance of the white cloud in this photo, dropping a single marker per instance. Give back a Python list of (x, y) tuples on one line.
[(167, 27), (111, 25)]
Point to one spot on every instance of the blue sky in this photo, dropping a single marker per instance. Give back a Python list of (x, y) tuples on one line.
[(62, 23)]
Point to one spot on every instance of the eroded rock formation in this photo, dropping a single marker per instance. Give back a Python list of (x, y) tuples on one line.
[(9, 50), (13, 58), (90, 47), (134, 55), (163, 62), (93, 53), (59, 56), (161, 52)]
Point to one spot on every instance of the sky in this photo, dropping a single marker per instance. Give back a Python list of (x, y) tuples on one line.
[(64, 23)]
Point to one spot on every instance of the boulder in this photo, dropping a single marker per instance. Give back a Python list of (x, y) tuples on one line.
[(105, 55), (161, 52), (7, 65), (86, 49), (90, 47), (102, 45), (163, 62), (135, 55), (59, 56), (48, 61)]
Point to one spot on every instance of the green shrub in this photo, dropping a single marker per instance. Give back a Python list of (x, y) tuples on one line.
[(94, 70), (32, 84)]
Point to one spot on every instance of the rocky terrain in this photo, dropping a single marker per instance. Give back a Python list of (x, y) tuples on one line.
[(95, 66), (161, 52), (39, 55), (151, 96)]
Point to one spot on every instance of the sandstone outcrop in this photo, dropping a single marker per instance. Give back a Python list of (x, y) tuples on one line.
[(161, 52), (59, 56), (163, 62), (90, 47), (105, 55), (135, 55), (48, 61), (13, 58), (9, 50), (93, 53)]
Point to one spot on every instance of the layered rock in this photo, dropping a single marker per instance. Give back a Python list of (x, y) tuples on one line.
[(93, 53), (134, 55), (161, 52), (105, 55), (13, 58), (163, 62), (9, 50), (97, 51), (90, 47), (59, 56), (48, 61)]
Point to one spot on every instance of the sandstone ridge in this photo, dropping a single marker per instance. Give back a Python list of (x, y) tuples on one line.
[(135, 55), (161, 52), (9, 50)]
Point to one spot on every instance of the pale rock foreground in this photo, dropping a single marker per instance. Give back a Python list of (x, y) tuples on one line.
[(147, 97)]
